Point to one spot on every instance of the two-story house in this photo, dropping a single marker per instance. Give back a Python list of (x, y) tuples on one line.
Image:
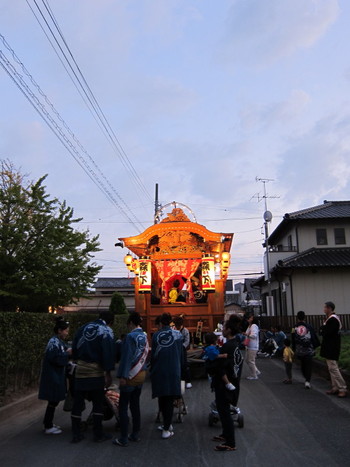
[(309, 260)]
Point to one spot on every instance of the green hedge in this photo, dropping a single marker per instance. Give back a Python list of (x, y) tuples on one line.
[(344, 358), (23, 341)]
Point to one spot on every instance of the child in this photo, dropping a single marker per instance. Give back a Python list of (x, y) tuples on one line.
[(212, 357), (288, 355)]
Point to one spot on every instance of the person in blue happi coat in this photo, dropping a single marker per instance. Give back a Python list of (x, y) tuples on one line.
[(166, 368), (53, 374), (132, 373), (94, 353)]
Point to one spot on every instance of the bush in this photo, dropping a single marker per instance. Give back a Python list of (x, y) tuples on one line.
[(23, 342), (117, 305), (344, 358)]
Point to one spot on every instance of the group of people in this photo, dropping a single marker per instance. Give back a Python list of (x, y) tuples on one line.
[(93, 352), (304, 343)]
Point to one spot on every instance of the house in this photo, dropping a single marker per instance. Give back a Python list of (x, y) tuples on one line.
[(99, 299), (309, 260)]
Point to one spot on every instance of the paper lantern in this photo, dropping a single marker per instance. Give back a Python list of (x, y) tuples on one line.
[(145, 275), (208, 274)]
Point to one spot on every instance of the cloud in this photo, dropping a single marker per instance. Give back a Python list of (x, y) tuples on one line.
[(261, 32), (275, 113), (317, 165)]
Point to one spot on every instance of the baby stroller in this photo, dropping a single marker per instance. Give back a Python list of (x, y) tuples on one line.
[(235, 413), (180, 408), (110, 408)]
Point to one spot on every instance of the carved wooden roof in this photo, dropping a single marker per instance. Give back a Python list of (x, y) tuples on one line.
[(177, 237)]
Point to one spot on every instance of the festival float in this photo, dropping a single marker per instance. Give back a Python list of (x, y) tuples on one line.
[(180, 267)]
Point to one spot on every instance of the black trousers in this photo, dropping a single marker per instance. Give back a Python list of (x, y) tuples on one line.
[(49, 414), (306, 367), (97, 398), (166, 407), (129, 398), (186, 368), (288, 366), (224, 410)]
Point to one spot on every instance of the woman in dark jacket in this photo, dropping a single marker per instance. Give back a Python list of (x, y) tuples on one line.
[(166, 367), (223, 397), (53, 374)]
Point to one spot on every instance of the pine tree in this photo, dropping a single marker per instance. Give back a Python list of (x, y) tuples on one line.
[(117, 305)]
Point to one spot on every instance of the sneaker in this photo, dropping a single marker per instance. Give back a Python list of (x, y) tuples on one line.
[(134, 438), (252, 377), (307, 385), (188, 385), (230, 386), (166, 434), (53, 431), (161, 428)]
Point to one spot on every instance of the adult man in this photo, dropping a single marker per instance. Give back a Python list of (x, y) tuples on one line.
[(330, 349), (94, 352)]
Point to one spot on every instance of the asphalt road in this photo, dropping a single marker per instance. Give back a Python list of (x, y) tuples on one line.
[(283, 426)]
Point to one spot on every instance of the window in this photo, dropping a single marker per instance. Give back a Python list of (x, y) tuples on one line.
[(339, 236), (321, 236), (290, 243)]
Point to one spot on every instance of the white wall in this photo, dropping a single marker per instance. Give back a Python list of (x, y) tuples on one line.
[(307, 234), (312, 290)]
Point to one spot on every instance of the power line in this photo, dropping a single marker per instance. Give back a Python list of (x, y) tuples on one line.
[(80, 82), (100, 180)]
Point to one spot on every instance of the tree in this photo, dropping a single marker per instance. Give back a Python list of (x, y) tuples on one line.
[(44, 261), (117, 305)]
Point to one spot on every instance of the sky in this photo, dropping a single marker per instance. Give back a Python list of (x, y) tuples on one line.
[(204, 97)]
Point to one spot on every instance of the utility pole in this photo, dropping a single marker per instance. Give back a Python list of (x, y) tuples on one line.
[(156, 206), (267, 219)]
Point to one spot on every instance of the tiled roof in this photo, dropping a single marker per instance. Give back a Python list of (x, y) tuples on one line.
[(114, 283), (318, 257), (327, 210)]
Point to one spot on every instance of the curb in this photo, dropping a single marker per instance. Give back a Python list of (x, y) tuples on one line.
[(28, 402)]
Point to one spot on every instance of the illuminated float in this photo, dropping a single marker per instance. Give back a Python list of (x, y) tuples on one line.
[(178, 250)]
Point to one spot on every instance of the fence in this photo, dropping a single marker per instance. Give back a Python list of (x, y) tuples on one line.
[(287, 322)]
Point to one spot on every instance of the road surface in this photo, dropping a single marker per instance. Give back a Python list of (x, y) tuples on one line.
[(283, 426)]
